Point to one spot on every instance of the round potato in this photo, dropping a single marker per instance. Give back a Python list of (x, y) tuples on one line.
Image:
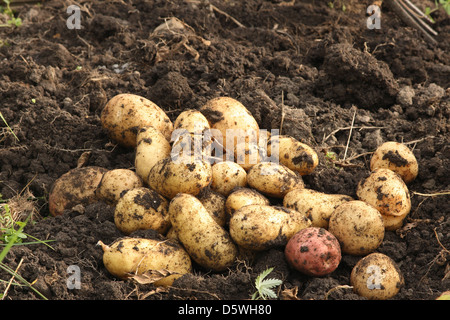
[(396, 157), (313, 251), (358, 226), (386, 191), (77, 186), (151, 147), (226, 176), (376, 277), (258, 227), (186, 144), (272, 179), (124, 114), (317, 206), (247, 154), (116, 181), (141, 209), (241, 197), (214, 202), (191, 120), (207, 243), (294, 154), (165, 260), (185, 175)]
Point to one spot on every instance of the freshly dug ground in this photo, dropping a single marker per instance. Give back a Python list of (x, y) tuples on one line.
[(313, 68)]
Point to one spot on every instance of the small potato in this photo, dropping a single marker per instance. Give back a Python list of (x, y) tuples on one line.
[(258, 227), (376, 277), (386, 191), (226, 176), (187, 144), (141, 209), (151, 147), (247, 154), (116, 181), (207, 243), (191, 120), (274, 180), (358, 226), (396, 157), (127, 257), (124, 114), (317, 206), (214, 202), (313, 251), (294, 154), (241, 197), (77, 186), (185, 175)]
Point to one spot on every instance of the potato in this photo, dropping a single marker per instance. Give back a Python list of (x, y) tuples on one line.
[(241, 197), (187, 144), (247, 154), (226, 176), (260, 227), (127, 257), (274, 180), (207, 243), (358, 226), (376, 277), (396, 157), (186, 175), (142, 209), (317, 206), (386, 191), (294, 154), (124, 114), (214, 202), (77, 186), (151, 147), (313, 251), (116, 181), (191, 120)]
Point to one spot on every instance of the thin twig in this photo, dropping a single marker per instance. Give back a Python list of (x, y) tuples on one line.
[(227, 15), (349, 135), (11, 280), (283, 114)]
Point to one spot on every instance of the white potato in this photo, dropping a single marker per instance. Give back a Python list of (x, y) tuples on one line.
[(226, 176), (116, 181)]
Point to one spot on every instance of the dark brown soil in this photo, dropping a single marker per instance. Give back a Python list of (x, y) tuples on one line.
[(323, 63)]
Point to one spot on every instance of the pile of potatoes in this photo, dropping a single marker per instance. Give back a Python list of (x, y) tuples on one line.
[(215, 195)]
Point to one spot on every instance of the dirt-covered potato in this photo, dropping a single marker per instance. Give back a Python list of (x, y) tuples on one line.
[(397, 157), (386, 191), (241, 197), (272, 179), (116, 181), (358, 226), (247, 154), (151, 147), (127, 257), (185, 175), (226, 176), (214, 202), (207, 243), (259, 227), (124, 114), (186, 144), (294, 154), (376, 277), (141, 209), (77, 186), (317, 206), (313, 251), (191, 120)]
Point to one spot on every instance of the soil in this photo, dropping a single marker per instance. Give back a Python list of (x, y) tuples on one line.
[(319, 66)]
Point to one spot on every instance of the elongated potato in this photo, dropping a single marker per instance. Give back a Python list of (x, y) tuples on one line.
[(142, 209), (207, 243), (259, 227), (226, 176), (317, 206), (77, 186), (272, 179), (124, 114), (241, 197), (191, 120), (136, 256), (214, 202), (151, 147), (116, 181)]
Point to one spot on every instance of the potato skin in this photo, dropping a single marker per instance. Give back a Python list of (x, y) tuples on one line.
[(397, 157), (191, 120), (241, 197), (77, 186), (207, 243), (226, 176), (376, 277), (259, 227), (141, 209), (116, 181), (313, 251), (358, 226), (214, 202), (317, 206), (124, 114), (129, 256)]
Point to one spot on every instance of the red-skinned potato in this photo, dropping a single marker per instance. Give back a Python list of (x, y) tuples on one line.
[(116, 181), (313, 251)]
